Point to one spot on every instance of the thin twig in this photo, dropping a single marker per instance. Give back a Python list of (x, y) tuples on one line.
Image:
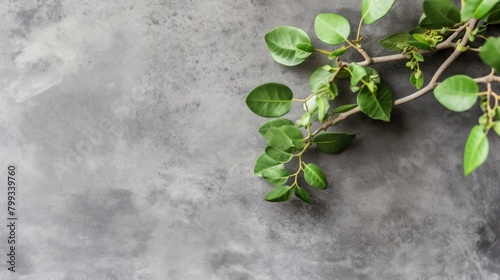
[(429, 87)]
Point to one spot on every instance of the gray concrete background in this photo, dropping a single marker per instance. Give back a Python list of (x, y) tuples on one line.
[(134, 148)]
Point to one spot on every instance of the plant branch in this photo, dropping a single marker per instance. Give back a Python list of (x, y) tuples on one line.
[(429, 87)]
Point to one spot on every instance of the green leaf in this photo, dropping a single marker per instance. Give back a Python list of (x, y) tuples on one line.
[(279, 155), (373, 10), (497, 114), (372, 75), (264, 128), (477, 8), (376, 105), (419, 41), (417, 80), (490, 53), (441, 12), (278, 140), (302, 194), (289, 45), (323, 107), (332, 29), (338, 52), (493, 17), (395, 42), (314, 176), (295, 135), (357, 73), (476, 150), (457, 93), (320, 79), (333, 143), (277, 177), (304, 120), (279, 194), (496, 127), (270, 100), (334, 91), (345, 108), (264, 162)]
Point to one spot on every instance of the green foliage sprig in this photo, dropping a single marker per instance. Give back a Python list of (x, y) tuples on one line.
[(442, 26)]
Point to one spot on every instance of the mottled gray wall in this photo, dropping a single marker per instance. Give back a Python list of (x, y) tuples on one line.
[(135, 150)]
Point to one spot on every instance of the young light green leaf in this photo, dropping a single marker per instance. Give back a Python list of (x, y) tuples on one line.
[(320, 79), (457, 93), (417, 79), (332, 29), (264, 162), (441, 12), (279, 194), (276, 177), (264, 128), (477, 8), (304, 120), (302, 194), (395, 42), (333, 143), (289, 45), (419, 41), (314, 176), (338, 52), (490, 51), (323, 107), (334, 91), (373, 10), (496, 127), (372, 75), (345, 108), (279, 155), (377, 105), (270, 100), (357, 73), (476, 150)]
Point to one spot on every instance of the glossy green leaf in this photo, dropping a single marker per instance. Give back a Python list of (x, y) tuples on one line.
[(332, 29), (314, 176), (417, 80), (289, 45), (264, 128), (476, 150), (496, 127), (441, 12), (333, 143), (264, 162), (320, 79), (372, 75), (295, 135), (357, 73), (477, 8), (302, 194), (376, 105), (278, 140), (493, 17), (345, 108), (395, 42), (280, 155), (279, 194), (270, 100), (277, 177), (490, 53), (457, 93), (373, 10), (338, 52)]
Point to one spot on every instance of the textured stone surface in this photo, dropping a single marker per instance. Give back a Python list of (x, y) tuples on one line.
[(126, 120)]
